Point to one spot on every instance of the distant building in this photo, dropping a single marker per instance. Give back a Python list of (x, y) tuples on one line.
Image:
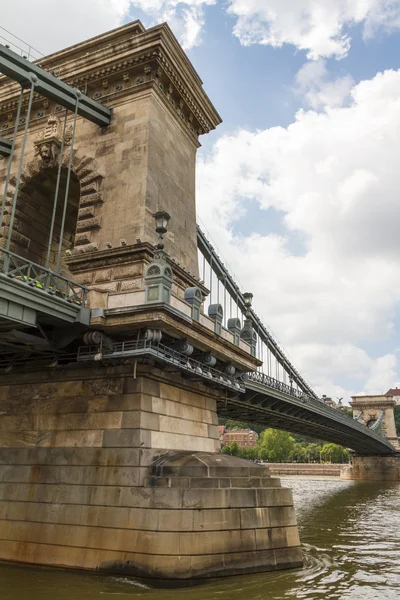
[(394, 392), (329, 401), (246, 438)]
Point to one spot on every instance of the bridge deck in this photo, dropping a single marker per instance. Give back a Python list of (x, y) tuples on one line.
[(266, 405)]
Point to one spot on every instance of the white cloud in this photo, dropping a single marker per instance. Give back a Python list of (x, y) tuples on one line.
[(49, 29), (321, 27), (314, 84), (186, 17), (78, 20), (382, 371), (318, 26), (334, 176)]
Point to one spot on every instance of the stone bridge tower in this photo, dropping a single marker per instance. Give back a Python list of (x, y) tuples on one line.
[(377, 411), (110, 371)]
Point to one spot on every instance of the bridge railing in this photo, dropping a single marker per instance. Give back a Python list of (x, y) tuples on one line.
[(280, 386), (41, 278)]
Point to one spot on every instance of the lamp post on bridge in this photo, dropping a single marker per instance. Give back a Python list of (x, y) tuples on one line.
[(248, 334)]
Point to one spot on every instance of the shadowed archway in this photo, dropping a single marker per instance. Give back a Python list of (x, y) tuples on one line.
[(34, 209), (37, 217)]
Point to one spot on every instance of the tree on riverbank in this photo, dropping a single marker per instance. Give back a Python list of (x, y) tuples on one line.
[(334, 454), (275, 445)]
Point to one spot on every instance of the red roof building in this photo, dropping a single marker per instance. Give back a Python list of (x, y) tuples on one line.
[(393, 392), (246, 438)]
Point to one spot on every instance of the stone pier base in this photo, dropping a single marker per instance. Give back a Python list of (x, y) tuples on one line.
[(373, 468), (103, 471)]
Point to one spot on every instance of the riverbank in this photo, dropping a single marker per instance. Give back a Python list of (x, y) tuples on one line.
[(305, 469)]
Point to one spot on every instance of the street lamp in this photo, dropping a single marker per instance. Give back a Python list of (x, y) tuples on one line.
[(161, 218), (248, 298)]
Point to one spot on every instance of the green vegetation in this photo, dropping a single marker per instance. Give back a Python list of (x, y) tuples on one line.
[(280, 446), (275, 445)]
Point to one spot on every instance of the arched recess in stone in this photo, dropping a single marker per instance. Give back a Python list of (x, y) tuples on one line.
[(35, 204)]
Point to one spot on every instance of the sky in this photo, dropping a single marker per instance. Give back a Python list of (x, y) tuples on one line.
[(300, 184)]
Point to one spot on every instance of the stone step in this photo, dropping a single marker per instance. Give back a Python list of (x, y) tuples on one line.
[(185, 483), (187, 464)]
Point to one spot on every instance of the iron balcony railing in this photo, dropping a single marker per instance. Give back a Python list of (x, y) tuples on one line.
[(41, 278), (167, 356)]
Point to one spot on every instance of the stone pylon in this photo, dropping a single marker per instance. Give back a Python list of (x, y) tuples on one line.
[(370, 409), (378, 410), (110, 452)]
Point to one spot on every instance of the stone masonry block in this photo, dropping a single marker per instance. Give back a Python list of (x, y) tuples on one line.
[(109, 420), (274, 497), (183, 426), (49, 439), (102, 276), (282, 515), (16, 423), (292, 536), (202, 499), (123, 438), (175, 520), (254, 518), (45, 390), (207, 542), (213, 431), (169, 392), (216, 520), (128, 272), (173, 442), (109, 386), (130, 402), (143, 385), (140, 419), (286, 558), (118, 457)]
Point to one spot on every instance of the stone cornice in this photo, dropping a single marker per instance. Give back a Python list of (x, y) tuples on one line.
[(142, 252), (116, 61)]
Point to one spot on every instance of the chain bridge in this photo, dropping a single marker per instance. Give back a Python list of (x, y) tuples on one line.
[(123, 335), (40, 296)]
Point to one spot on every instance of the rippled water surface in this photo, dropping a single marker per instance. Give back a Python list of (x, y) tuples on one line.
[(351, 543)]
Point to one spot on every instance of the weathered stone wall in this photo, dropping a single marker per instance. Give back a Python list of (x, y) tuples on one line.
[(304, 469), (171, 182), (76, 489), (373, 468)]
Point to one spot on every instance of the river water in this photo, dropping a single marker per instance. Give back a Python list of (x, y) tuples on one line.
[(351, 544)]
